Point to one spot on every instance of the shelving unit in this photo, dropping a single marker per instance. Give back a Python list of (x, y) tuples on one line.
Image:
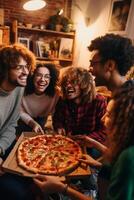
[(47, 45), (4, 35)]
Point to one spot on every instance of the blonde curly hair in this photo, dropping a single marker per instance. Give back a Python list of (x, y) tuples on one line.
[(84, 80)]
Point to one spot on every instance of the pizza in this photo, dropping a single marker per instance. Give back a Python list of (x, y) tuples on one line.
[(49, 154)]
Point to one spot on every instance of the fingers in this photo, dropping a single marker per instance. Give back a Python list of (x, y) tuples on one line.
[(61, 131), (90, 161), (38, 129), (1, 161), (93, 163)]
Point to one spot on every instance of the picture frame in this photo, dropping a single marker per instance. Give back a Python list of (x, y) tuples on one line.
[(119, 16), (66, 48), (43, 48), (24, 41)]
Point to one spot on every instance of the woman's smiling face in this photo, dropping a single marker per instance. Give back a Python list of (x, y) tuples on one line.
[(41, 80)]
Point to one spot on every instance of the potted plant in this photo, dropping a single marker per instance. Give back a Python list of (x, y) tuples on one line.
[(59, 23)]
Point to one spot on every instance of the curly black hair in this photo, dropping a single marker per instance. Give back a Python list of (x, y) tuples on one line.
[(51, 89), (116, 47)]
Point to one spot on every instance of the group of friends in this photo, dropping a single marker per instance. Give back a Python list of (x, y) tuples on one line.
[(28, 95)]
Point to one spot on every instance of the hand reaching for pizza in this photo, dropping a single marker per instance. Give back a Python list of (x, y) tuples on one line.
[(49, 184), (36, 127), (1, 161), (85, 140), (61, 131), (90, 161)]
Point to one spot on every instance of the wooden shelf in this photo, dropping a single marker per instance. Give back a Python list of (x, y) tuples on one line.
[(4, 35), (46, 31), (57, 59), (59, 53)]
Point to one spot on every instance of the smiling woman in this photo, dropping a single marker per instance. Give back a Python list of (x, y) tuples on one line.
[(41, 96)]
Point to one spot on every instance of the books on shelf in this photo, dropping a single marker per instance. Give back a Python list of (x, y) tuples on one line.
[(42, 49)]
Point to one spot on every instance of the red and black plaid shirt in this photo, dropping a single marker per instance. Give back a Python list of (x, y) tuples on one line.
[(84, 118)]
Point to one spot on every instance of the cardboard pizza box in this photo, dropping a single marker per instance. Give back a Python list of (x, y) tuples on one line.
[(10, 164)]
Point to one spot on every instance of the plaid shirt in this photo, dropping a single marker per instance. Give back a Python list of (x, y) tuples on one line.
[(81, 119)]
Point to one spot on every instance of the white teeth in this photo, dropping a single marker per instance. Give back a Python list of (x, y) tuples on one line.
[(41, 85), (70, 90), (23, 79)]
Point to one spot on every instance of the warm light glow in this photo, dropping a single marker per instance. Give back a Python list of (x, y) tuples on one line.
[(60, 12), (34, 5)]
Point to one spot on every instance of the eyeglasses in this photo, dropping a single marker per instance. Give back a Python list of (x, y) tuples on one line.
[(72, 82), (92, 63), (45, 76), (21, 67)]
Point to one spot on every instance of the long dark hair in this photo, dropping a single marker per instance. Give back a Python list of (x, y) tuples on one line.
[(51, 89), (122, 122)]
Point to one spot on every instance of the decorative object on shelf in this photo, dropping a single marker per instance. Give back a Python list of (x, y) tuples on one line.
[(29, 25), (42, 27), (60, 23), (24, 41), (66, 47), (43, 49), (32, 5)]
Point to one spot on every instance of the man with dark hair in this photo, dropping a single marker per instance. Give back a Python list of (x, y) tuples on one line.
[(112, 56), (16, 61)]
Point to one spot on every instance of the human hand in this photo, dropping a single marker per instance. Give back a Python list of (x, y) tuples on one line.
[(36, 127), (87, 141), (61, 131), (1, 171), (49, 184), (90, 161), (83, 140)]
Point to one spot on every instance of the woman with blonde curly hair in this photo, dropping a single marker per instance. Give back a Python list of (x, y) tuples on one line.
[(80, 109)]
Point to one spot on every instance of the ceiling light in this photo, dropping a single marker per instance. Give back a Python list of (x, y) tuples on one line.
[(34, 5)]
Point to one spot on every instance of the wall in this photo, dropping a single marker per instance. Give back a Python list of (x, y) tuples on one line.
[(91, 20), (13, 9)]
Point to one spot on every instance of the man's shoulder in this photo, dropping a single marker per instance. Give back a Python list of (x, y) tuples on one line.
[(18, 92)]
